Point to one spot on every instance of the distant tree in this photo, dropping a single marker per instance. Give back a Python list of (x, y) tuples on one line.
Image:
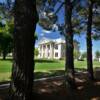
[(76, 54), (84, 55), (6, 30), (36, 52), (5, 44), (97, 54), (76, 49)]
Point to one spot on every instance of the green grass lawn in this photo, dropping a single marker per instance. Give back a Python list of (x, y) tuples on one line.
[(5, 70), (47, 66), (5, 66)]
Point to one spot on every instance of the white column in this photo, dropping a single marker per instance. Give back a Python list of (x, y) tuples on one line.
[(39, 51), (46, 51), (51, 50), (59, 51), (42, 51)]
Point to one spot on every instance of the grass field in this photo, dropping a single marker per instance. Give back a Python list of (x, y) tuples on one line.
[(40, 66)]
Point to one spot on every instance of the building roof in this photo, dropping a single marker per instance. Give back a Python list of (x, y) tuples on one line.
[(45, 40)]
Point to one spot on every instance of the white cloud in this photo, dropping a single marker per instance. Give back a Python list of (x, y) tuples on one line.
[(46, 31), (82, 51), (55, 27), (42, 34)]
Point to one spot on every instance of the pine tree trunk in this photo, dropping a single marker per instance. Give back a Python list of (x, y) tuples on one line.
[(89, 43), (25, 19), (4, 54), (69, 63)]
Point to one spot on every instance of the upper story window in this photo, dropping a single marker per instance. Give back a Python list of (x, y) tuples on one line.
[(40, 47), (56, 54), (48, 46), (44, 46), (56, 46), (48, 54), (40, 54)]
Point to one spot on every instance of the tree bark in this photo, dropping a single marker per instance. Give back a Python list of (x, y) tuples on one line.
[(25, 19), (89, 42), (4, 54), (69, 63)]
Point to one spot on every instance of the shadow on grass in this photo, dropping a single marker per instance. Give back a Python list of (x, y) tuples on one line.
[(55, 89), (51, 73), (89, 90), (45, 61), (80, 69)]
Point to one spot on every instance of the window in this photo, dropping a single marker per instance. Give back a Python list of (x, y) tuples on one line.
[(43, 55), (48, 54), (43, 46), (40, 54), (48, 46), (56, 54), (56, 46)]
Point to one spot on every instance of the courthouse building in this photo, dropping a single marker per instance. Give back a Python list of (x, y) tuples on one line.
[(53, 48)]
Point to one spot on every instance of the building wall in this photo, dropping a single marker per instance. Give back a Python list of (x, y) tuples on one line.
[(45, 51), (63, 50), (52, 50), (57, 51)]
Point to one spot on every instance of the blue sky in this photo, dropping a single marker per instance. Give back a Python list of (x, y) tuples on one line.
[(2, 0)]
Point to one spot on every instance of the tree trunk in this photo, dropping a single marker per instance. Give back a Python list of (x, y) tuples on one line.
[(4, 54), (69, 63), (25, 19), (89, 42)]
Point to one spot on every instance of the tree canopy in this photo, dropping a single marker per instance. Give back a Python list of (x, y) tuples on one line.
[(6, 30)]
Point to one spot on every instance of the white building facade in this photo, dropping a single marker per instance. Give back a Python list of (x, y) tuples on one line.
[(51, 48)]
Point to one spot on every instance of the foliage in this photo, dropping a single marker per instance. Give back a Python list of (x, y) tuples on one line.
[(97, 54), (36, 52), (6, 40), (5, 43), (83, 55), (83, 12), (76, 54), (49, 11), (6, 30)]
